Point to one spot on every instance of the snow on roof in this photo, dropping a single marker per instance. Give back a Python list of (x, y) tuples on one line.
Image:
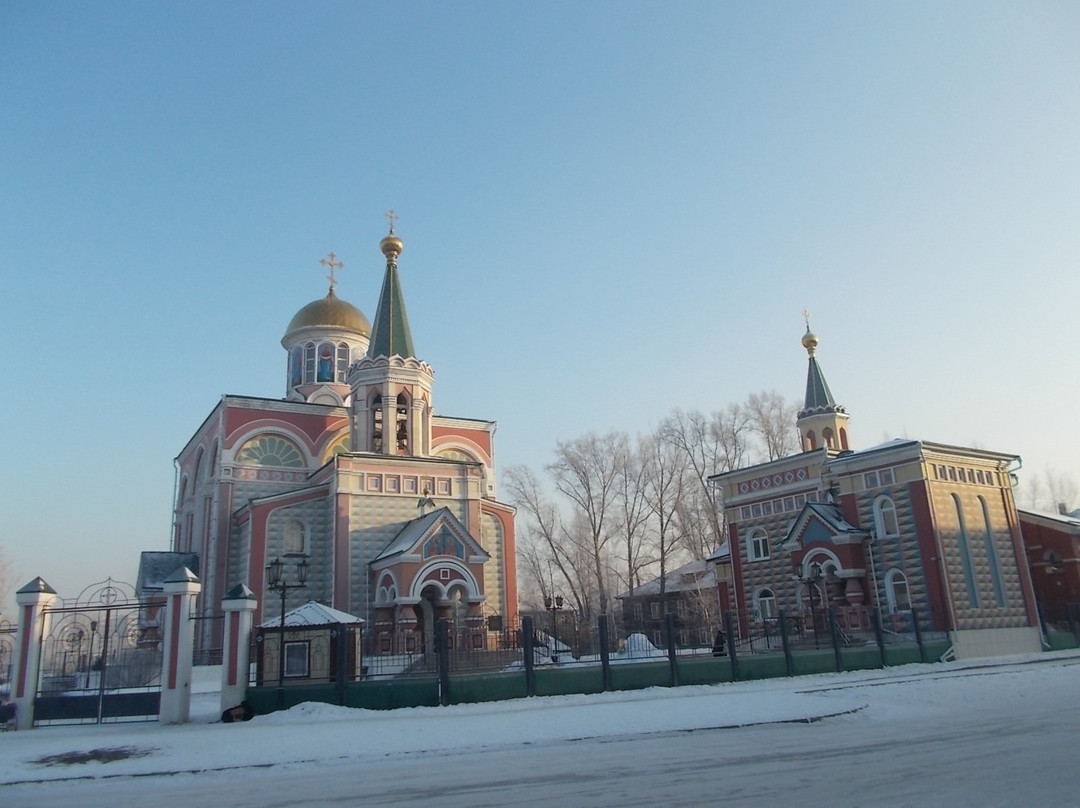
[(687, 578), (312, 614)]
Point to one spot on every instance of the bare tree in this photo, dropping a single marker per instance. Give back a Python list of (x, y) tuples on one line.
[(6, 576), (667, 479), (772, 418), (547, 550), (586, 471), (633, 517)]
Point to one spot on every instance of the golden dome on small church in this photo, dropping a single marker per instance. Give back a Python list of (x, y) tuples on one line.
[(330, 312), (391, 245), (810, 341)]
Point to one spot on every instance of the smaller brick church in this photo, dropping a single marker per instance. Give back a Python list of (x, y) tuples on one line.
[(907, 524)]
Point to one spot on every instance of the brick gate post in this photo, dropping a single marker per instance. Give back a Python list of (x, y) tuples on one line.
[(239, 606), (33, 625), (179, 646)]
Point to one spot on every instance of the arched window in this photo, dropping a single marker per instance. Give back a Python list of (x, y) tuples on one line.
[(992, 557), (376, 424), (757, 545), (811, 440), (342, 362), (325, 371), (764, 604), (196, 472), (828, 438), (965, 555), (885, 518), (270, 450), (296, 367), (295, 537), (843, 438), (897, 596), (340, 446), (401, 425), (309, 363)]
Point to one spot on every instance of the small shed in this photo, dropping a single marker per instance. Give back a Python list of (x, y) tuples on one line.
[(321, 645)]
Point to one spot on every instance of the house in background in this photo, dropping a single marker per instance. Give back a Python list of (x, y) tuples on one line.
[(1052, 541), (690, 593), (906, 524)]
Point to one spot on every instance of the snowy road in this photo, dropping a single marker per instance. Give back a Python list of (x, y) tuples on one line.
[(922, 735)]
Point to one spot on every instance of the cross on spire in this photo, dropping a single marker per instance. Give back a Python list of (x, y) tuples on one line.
[(391, 217), (806, 316), (333, 265)]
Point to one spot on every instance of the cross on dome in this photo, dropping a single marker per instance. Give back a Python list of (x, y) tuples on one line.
[(333, 265)]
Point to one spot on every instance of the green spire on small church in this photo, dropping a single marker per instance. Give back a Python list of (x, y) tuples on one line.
[(818, 396), (390, 335)]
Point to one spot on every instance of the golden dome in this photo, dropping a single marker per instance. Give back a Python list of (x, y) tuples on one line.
[(810, 341), (330, 312), (391, 246)]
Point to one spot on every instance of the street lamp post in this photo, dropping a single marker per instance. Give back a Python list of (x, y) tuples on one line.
[(554, 604), (811, 581), (276, 582)]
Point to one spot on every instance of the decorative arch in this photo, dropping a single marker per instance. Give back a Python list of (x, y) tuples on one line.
[(182, 494), (824, 559), (215, 452), (386, 591), (270, 449), (811, 440), (421, 580)]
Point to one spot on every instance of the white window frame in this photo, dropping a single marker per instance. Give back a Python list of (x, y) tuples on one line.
[(297, 659), (892, 578), (757, 545)]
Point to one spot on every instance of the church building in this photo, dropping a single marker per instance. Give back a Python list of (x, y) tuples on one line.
[(905, 525), (393, 506)]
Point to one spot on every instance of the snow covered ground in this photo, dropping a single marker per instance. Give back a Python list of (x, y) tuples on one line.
[(984, 732)]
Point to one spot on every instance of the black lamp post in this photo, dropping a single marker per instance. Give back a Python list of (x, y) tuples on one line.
[(553, 604), (276, 582), (811, 581)]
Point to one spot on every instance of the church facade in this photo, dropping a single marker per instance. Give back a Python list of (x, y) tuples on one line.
[(393, 506), (905, 525)]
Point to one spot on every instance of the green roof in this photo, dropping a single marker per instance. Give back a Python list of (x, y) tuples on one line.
[(390, 336)]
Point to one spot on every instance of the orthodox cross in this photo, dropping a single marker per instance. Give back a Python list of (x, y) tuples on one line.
[(806, 316), (333, 265), (391, 217)]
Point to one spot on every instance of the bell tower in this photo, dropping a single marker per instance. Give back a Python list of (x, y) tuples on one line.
[(391, 388), (821, 422)]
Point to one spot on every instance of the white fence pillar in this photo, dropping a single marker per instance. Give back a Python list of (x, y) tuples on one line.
[(239, 606), (33, 625), (179, 646)]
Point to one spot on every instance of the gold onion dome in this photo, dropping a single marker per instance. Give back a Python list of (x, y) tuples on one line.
[(810, 341), (330, 312), (391, 246)]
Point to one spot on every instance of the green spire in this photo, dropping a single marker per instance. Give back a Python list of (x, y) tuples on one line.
[(390, 335), (819, 397)]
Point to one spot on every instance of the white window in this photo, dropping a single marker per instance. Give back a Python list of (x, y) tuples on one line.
[(896, 591), (654, 610), (885, 518), (757, 545), (764, 604), (638, 612)]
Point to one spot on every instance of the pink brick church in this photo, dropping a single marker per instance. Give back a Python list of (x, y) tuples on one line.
[(393, 505)]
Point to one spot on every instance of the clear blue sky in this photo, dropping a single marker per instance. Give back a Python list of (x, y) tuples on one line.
[(608, 209)]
